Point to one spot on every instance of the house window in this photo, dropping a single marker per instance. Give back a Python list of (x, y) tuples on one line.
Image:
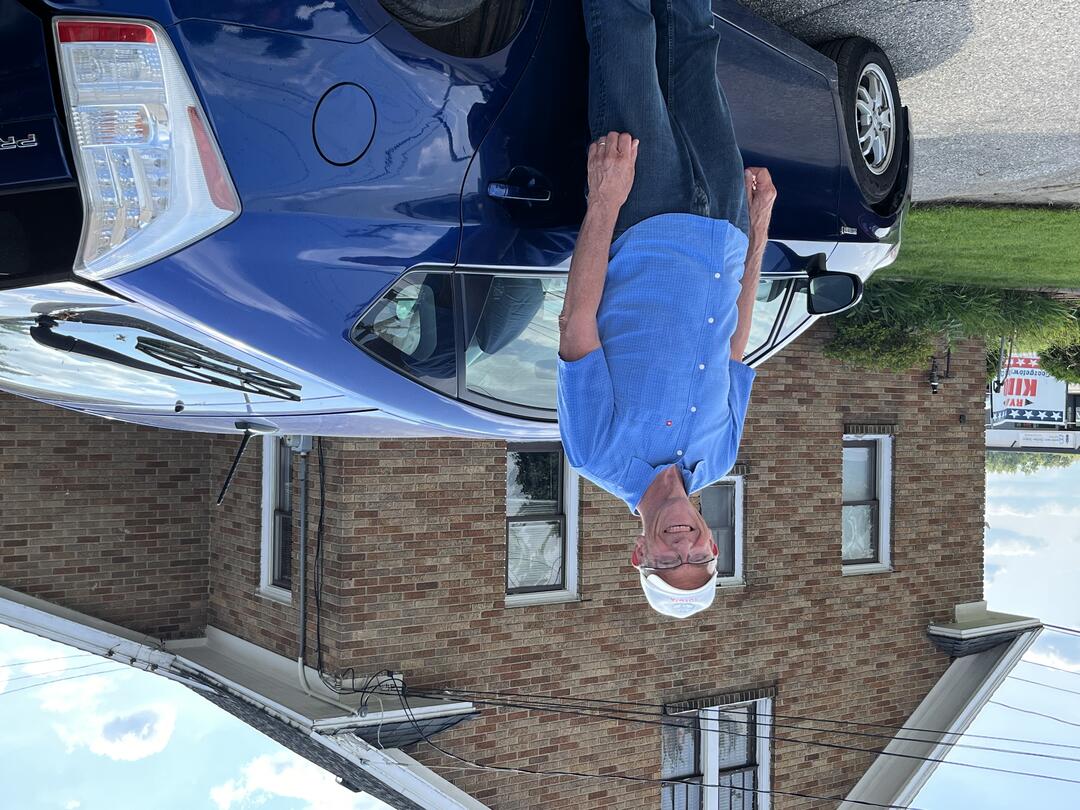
[(867, 500), (722, 508), (541, 525), (717, 758), (277, 522)]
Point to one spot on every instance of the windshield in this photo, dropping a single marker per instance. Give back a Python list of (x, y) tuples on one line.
[(767, 304), (797, 313)]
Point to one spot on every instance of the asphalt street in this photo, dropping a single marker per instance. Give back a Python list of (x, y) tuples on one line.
[(993, 88)]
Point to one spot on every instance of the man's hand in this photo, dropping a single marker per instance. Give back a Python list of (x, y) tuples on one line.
[(760, 196), (611, 169)]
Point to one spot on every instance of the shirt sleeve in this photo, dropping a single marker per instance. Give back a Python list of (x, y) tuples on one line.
[(585, 404), (742, 380)]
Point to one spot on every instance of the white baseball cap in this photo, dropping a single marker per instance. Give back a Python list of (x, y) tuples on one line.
[(672, 601)]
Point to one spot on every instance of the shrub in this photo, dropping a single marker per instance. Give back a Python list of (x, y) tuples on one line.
[(1062, 362), (879, 345), (915, 313)]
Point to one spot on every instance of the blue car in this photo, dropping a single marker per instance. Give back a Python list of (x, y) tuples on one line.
[(355, 218)]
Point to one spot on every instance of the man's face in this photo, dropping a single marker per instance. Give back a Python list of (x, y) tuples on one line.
[(677, 545)]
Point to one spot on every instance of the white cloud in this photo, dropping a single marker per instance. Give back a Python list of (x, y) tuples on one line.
[(1052, 658), (126, 736), (74, 804), (1010, 548), (1045, 509), (285, 775)]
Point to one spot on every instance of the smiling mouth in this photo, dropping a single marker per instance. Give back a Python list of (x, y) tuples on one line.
[(679, 527)]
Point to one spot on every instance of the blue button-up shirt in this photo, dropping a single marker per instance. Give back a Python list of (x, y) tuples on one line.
[(662, 388)]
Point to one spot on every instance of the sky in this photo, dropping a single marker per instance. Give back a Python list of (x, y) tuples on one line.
[(1032, 569), (81, 733)]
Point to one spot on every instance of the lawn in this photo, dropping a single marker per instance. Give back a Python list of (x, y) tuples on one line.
[(1021, 248)]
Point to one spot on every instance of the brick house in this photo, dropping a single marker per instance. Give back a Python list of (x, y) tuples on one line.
[(853, 521)]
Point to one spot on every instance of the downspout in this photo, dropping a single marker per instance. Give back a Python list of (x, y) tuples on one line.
[(302, 629)]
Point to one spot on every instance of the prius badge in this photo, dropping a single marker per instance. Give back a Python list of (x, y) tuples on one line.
[(11, 142)]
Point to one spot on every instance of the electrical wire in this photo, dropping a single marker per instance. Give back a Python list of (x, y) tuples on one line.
[(1035, 713), (1051, 666), (556, 709), (44, 660), (796, 717), (626, 777), (102, 662), (60, 680), (1060, 628), (1046, 685), (814, 743)]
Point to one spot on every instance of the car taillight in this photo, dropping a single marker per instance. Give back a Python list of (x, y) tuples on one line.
[(152, 176)]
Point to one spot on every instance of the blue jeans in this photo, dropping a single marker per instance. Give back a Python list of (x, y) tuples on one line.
[(652, 73)]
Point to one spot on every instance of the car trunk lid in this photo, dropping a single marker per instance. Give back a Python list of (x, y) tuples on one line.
[(40, 210)]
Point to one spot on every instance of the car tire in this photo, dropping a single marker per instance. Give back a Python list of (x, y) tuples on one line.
[(865, 75), (430, 14)]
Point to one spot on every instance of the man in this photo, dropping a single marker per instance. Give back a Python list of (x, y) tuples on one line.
[(657, 314)]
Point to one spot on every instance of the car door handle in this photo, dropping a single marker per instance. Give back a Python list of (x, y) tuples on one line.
[(521, 183)]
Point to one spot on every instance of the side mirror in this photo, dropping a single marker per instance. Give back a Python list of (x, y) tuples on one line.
[(833, 292)]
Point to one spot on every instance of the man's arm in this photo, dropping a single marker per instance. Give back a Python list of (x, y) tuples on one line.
[(611, 175), (760, 196)]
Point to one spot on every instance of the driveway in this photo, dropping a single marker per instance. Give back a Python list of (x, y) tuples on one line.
[(991, 86)]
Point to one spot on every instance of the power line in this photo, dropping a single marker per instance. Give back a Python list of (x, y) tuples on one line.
[(1063, 629), (1051, 666), (626, 777), (796, 717), (102, 662), (815, 743), (1047, 685), (44, 660), (1035, 713), (555, 708), (59, 680)]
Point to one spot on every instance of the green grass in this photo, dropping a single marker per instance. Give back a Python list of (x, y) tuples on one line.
[(1018, 248)]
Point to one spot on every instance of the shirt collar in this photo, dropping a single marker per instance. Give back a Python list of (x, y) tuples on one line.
[(640, 474)]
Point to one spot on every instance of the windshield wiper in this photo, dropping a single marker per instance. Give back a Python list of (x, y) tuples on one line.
[(193, 363)]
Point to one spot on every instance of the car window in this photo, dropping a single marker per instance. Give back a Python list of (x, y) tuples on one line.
[(512, 337), (412, 329), (767, 305), (796, 314)]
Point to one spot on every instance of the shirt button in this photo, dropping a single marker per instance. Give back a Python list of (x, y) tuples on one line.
[(693, 409), (716, 275), (701, 366), (668, 423), (678, 452), (712, 320)]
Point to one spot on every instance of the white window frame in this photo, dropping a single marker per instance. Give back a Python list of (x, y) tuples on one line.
[(571, 512), (270, 445), (884, 455), (739, 577), (709, 757)]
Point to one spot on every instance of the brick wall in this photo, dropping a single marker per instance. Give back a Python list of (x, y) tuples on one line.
[(104, 517), (414, 556), (417, 553)]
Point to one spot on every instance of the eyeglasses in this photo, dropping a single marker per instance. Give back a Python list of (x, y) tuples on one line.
[(667, 563)]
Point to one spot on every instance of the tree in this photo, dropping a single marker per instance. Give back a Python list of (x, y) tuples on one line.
[(1062, 362), (1002, 461)]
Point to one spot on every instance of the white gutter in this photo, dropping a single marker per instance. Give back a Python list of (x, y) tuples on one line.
[(951, 705), (403, 775)]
